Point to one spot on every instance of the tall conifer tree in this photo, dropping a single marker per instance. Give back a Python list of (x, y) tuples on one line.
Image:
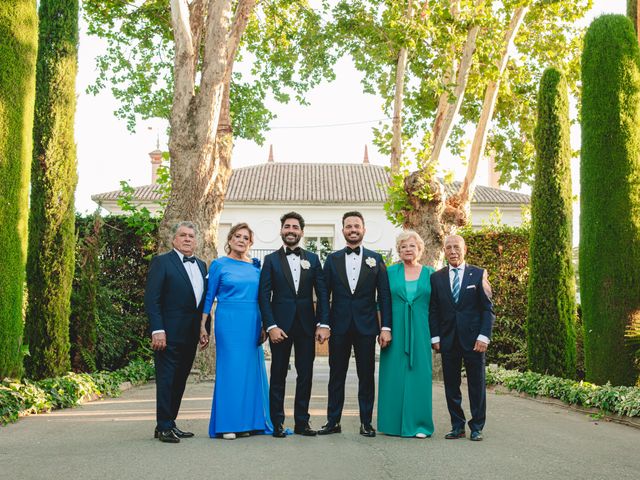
[(551, 313), (50, 262), (610, 198), (18, 46)]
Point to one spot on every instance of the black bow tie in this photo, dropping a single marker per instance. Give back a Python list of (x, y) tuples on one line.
[(188, 259), (353, 250), (293, 251)]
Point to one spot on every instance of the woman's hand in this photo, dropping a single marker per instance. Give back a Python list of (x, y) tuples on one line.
[(204, 337), (263, 336)]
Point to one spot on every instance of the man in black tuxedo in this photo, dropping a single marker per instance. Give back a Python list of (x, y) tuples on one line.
[(288, 279), (358, 285), (173, 302), (461, 319)]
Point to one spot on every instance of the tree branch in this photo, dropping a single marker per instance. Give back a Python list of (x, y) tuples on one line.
[(183, 67)]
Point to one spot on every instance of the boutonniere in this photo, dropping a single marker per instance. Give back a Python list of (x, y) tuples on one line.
[(304, 264), (370, 261)]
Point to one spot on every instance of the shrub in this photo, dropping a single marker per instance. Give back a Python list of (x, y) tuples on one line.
[(610, 198)]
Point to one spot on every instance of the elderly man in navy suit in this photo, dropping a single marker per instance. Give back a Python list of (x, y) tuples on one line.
[(288, 279), (173, 301), (461, 319), (359, 287)]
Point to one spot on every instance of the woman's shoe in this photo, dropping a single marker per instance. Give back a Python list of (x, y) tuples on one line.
[(421, 435), (229, 436)]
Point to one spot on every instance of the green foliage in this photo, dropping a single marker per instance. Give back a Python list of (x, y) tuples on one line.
[(287, 50), (109, 294), (372, 32), (50, 261), (18, 45), (23, 398), (503, 252), (551, 337), (323, 250), (397, 204), (610, 198), (609, 399), (632, 12)]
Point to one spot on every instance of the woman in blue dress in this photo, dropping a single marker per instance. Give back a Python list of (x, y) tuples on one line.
[(241, 393)]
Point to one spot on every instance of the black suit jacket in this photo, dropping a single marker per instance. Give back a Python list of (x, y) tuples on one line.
[(471, 316), (169, 300), (277, 296), (361, 307)]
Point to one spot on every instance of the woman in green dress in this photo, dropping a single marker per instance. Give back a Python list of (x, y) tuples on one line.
[(404, 398)]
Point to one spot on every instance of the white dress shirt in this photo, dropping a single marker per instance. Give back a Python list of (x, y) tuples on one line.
[(353, 264), (460, 268), (195, 277)]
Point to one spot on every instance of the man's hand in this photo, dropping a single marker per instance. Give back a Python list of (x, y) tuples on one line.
[(277, 335), (322, 334), (436, 346), (159, 341), (384, 339), (480, 346)]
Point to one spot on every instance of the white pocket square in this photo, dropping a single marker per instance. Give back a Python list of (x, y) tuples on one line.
[(206, 276), (471, 286)]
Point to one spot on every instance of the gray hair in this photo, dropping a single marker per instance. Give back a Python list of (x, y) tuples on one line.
[(408, 234), (177, 226)]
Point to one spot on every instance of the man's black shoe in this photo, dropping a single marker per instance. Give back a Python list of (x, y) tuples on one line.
[(305, 430), (278, 431), (329, 428), (180, 434), (454, 434), (168, 436), (366, 430)]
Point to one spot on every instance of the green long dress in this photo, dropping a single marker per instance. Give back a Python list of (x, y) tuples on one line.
[(404, 398)]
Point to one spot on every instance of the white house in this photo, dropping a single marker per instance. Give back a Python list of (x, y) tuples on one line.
[(321, 193)]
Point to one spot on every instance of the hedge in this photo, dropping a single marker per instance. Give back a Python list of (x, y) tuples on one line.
[(504, 251), (18, 399), (52, 240), (610, 199), (551, 312), (609, 399), (18, 45)]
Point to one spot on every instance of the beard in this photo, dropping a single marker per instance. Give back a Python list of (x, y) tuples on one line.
[(291, 239), (353, 239)]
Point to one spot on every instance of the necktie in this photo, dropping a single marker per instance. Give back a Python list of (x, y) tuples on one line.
[(188, 259), (455, 290), (353, 250), (293, 251)]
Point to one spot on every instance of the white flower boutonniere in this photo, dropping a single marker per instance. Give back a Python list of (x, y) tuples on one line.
[(304, 264), (370, 261)]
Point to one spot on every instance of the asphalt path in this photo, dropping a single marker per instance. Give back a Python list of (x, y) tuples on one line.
[(113, 439)]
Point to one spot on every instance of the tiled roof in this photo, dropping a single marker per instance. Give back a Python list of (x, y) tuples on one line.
[(313, 183)]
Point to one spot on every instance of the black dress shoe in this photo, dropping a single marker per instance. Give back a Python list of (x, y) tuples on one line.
[(168, 436), (305, 430), (455, 433), (180, 434), (329, 428), (278, 432), (476, 436), (366, 430)]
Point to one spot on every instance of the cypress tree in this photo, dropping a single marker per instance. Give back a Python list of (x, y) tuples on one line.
[(610, 198), (551, 338), (50, 262), (18, 46)]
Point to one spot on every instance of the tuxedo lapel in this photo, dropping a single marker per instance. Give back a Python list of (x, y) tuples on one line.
[(446, 284), (304, 272), (341, 268), (466, 280), (365, 270), (286, 270), (175, 259)]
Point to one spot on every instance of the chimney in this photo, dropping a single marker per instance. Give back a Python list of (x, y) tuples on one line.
[(270, 159), (494, 176), (365, 161), (156, 161)]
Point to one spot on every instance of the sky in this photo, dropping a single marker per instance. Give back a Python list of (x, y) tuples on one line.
[(334, 128)]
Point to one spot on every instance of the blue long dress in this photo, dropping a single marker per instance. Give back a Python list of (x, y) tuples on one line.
[(241, 391)]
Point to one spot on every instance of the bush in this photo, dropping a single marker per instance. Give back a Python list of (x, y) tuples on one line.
[(620, 400), (504, 251), (610, 198), (20, 399)]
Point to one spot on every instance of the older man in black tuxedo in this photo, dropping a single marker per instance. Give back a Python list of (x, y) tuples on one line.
[(359, 287), (461, 319), (288, 279), (173, 302)]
